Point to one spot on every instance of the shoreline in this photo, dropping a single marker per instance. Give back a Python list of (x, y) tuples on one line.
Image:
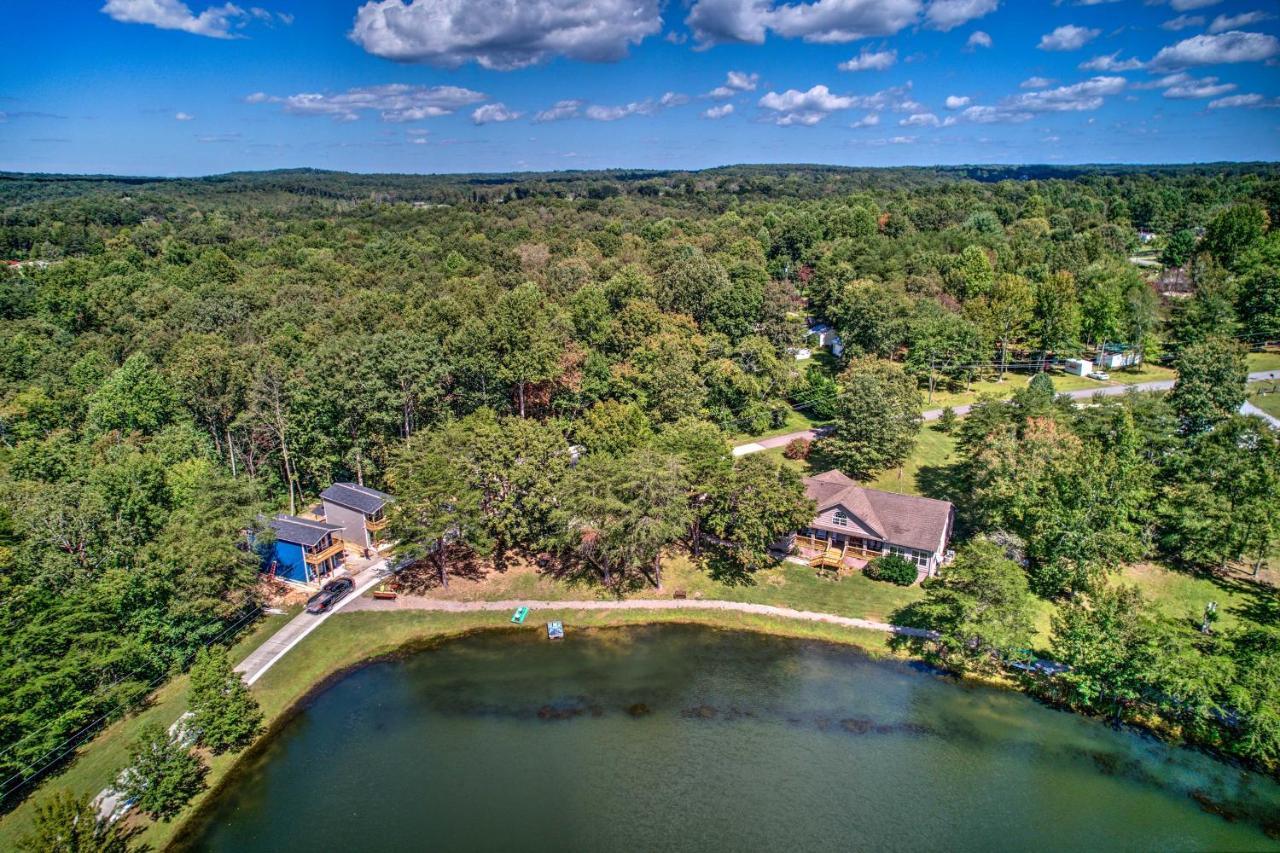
[(187, 828)]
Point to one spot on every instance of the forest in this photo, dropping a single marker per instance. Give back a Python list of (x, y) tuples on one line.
[(179, 358)]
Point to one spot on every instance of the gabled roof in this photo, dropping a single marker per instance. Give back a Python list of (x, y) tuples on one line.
[(360, 498), (301, 531), (907, 520)]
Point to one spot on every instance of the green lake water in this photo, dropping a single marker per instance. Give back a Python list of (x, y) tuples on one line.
[(684, 738)]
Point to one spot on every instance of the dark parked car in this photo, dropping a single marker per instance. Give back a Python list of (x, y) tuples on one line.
[(329, 595)]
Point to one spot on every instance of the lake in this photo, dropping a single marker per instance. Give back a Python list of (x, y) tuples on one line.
[(687, 738)]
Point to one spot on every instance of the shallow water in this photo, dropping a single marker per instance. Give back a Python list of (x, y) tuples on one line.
[(685, 738)]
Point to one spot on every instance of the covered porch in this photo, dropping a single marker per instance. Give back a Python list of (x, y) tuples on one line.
[(836, 551)]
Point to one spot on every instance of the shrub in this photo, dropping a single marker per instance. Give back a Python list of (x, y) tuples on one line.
[(947, 420), (797, 448), (893, 569)]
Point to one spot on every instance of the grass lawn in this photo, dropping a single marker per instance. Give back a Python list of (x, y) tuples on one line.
[(922, 474), (785, 585), (97, 764), (1259, 361), (1062, 383), (797, 420), (1266, 396)]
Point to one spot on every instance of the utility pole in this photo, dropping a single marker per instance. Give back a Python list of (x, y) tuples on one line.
[(930, 377)]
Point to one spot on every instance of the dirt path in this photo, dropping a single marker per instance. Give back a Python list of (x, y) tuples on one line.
[(413, 602)]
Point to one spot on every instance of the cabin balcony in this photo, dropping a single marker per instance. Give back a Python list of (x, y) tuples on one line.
[(375, 526), (320, 556)]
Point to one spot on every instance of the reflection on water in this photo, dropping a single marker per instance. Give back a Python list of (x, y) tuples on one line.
[(684, 738)]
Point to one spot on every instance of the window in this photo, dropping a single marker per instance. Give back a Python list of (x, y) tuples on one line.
[(840, 518), (920, 558)]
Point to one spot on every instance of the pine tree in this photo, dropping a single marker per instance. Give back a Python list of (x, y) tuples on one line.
[(163, 775), (223, 711), (65, 823)]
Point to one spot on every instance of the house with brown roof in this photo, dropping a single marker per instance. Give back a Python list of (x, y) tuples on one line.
[(862, 523)]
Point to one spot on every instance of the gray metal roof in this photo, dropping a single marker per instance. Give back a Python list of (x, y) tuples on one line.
[(301, 531), (360, 498)]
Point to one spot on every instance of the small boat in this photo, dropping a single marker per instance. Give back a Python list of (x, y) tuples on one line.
[(555, 631), (519, 616)]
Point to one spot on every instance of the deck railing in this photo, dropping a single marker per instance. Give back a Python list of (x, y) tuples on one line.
[(850, 549), (320, 556)]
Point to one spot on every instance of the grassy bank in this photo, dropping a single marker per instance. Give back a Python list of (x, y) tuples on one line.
[(98, 762)]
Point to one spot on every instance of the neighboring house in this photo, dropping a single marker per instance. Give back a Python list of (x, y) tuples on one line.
[(865, 523), (1117, 356), (1077, 366), (799, 353), (825, 336), (1145, 237), (358, 511), (304, 550)]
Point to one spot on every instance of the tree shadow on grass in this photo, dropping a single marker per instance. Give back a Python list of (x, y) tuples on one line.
[(1260, 601), (910, 616), (722, 569), (940, 481), (421, 577)]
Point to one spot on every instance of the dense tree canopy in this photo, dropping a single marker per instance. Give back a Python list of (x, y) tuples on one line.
[(190, 355)]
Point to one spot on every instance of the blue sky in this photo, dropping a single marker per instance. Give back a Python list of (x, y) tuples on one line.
[(188, 87)]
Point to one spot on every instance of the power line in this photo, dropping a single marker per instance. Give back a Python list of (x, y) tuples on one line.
[(75, 740)]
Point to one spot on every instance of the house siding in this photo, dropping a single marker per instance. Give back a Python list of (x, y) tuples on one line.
[(290, 564), (353, 531)]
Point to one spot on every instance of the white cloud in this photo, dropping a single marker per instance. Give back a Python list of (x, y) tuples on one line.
[(395, 102), (870, 60), (1187, 5), (806, 108), (868, 120), (1068, 37), (1251, 100), (1086, 95), (1111, 62), (978, 39), (946, 15), (215, 21), (1206, 87), (1222, 23), (1078, 97), (955, 102), (181, 116), (926, 120), (1183, 22), (1035, 83), (1216, 49), (560, 110), (718, 112), (599, 112), (493, 113), (503, 34), (735, 82), (823, 21)]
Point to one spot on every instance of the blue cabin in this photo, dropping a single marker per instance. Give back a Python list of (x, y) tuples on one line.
[(304, 551)]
